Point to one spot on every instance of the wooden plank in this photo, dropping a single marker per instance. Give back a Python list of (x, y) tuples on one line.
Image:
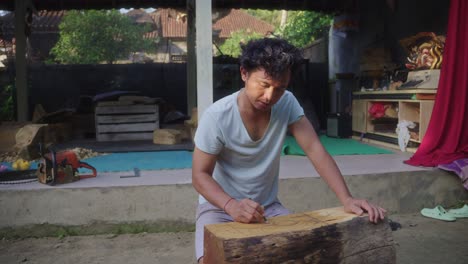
[(126, 109), (359, 115), (122, 128), (124, 136), (323, 236), (109, 119), (425, 117), (384, 144)]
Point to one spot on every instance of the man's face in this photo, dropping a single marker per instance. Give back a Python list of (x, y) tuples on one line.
[(263, 91)]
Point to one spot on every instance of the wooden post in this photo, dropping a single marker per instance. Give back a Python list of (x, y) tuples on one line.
[(20, 60), (191, 58), (204, 55), (323, 236)]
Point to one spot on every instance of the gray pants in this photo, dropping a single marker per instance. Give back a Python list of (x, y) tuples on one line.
[(210, 214)]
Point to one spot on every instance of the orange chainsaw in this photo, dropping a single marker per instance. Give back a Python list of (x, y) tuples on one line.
[(62, 167)]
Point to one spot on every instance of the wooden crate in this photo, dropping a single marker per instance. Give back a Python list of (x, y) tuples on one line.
[(126, 122)]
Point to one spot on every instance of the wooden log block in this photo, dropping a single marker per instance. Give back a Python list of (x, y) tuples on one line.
[(323, 236), (8, 132), (192, 124), (167, 136), (182, 128), (29, 136), (28, 139)]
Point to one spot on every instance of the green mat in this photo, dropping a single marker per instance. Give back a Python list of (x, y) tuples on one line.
[(334, 146)]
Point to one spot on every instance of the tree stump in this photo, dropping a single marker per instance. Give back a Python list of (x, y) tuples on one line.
[(323, 236)]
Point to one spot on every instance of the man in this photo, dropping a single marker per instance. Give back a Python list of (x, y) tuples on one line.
[(239, 139)]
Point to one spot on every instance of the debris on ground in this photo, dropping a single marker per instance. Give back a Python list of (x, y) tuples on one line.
[(10, 156), (394, 225), (82, 153)]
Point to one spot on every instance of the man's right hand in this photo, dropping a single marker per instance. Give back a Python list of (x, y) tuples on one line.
[(245, 211)]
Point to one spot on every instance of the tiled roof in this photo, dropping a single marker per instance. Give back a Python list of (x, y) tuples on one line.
[(140, 16), (170, 25), (235, 20), (5, 43), (7, 48), (239, 20), (43, 21), (151, 35)]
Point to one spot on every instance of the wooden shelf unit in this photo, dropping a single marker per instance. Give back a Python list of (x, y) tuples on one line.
[(403, 101)]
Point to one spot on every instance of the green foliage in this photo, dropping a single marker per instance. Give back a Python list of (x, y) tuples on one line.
[(272, 17), (303, 27), (6, 101), (231, 46), (94, 36)]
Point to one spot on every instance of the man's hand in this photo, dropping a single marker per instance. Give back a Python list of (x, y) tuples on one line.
[(359, 206), (245, 211)]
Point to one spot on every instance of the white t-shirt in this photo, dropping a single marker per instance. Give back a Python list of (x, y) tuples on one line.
[(246, 168)]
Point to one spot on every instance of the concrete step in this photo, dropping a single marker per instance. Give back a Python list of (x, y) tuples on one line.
[(167, 198)]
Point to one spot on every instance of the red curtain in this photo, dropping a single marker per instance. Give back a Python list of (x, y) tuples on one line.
[(446, 138)]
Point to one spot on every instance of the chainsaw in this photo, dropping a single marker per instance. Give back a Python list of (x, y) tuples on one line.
[(61, 167)]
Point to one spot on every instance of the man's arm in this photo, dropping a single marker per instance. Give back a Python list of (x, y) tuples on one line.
[(306, 137), (245, 210)]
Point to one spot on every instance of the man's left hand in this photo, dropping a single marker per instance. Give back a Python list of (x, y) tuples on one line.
[(359, 206)]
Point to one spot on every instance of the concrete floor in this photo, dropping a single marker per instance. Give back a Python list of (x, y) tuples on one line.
[(419, 240), (385, 178)]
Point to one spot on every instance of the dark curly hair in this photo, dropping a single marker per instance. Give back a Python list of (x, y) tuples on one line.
[(274, 55)]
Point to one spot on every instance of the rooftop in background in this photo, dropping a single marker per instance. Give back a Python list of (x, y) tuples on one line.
[(43, 21), (317, 5), (174, 25), (170, 22)]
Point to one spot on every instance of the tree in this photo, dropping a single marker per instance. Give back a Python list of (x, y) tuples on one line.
[(303, 27), (272, 17), (231, 46), (94, 36)]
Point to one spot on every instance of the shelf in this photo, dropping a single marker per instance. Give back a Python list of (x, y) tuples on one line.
[(392, 135), (406, 91), (384, 128)]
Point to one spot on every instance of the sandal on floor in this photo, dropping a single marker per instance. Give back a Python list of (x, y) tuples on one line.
[(460, 212), (438, 212)]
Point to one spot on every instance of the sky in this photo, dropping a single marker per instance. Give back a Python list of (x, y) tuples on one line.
[(123, 10)]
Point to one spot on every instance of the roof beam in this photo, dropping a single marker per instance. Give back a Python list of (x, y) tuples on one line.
[(317, 5)]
